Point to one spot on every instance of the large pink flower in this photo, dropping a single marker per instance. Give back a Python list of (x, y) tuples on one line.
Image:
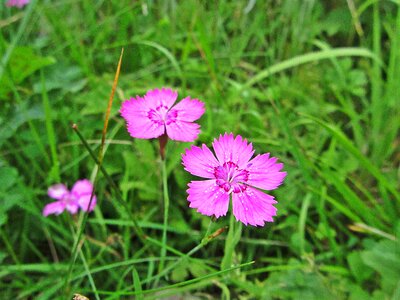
[(153, 115), (78, 197), (17, 3), (233, 172)]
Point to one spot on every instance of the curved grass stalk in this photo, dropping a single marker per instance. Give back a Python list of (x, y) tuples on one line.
[(310, 57)]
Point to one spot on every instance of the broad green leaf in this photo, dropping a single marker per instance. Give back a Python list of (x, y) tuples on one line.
[(384, 257), (23, 63)]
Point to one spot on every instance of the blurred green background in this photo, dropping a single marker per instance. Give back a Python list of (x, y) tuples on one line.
[(313, 82)]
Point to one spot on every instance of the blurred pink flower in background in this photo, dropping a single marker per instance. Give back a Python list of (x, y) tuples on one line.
[(78, 197), (153, 115), (233, 172), (17, 3)]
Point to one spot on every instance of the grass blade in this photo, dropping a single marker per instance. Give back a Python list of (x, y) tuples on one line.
[(364, 161), (310, 57)]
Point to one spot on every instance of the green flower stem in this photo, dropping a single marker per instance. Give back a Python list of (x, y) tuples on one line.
[(136, 227), (85, 264), (206, 235), (166, 212), (232, 239)]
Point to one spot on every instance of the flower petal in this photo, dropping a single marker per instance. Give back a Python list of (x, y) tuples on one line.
[(72, 207), (82, 187), (253, 207), (135, 111), (230, 149), (84, 200), (200, 161), (17, 3), (188, 110), (82, 190), (165, 97), (56, 207), (208, 198), (146, 129), (183, 131), (57, 191), (264, 172), (134, 108)]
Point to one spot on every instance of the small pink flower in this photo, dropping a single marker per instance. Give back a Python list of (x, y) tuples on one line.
[(78, 197), (153, 115), (17, 3), (233, 172)]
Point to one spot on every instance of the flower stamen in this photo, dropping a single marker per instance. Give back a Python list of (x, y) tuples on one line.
[(231, 178)]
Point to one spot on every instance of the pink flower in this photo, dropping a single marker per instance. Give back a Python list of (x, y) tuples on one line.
[(17, 3), (233, 172), (71, 201), (153, 115)]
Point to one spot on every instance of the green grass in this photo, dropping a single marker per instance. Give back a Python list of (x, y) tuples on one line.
[(312, 82)]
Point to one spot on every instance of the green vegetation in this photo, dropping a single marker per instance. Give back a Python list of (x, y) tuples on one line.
[(313, 82)]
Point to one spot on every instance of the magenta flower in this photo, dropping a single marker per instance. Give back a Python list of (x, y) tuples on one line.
[(153, 115), (78, 197), (233, 172), (17, 3)]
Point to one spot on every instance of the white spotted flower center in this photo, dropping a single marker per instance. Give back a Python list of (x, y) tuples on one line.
[(231, 178), (162, 116)]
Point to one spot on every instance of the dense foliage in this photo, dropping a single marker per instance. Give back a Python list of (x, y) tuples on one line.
[(313, 82)]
